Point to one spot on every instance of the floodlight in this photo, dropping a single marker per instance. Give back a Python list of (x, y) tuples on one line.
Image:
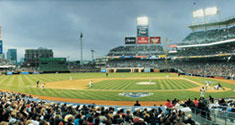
[(211, 11), (142, 21), (198, 13)]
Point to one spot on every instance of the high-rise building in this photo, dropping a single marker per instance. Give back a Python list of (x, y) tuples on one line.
[(32, 56), (3, 56), (12, 55)]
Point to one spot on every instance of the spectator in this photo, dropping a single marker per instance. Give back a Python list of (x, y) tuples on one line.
[(137, 103), (189, 120), (168, 104)]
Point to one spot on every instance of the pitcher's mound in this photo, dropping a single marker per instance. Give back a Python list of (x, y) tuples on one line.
[(145, 83)]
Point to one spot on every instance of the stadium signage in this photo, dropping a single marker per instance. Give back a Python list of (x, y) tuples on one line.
[(172, 45), (135, 94), (155, 40), (130, 40), (142, 40), (142, 31)]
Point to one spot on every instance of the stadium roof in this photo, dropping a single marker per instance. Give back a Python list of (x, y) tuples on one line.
[(227, 22)]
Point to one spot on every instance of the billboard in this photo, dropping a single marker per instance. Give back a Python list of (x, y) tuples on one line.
[(155, 40), (142, 40), (0, 46), (130, 40), (142, 31), (172, 45)]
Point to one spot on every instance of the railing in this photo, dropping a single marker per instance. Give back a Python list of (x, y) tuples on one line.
[(222, 114), (213, 117)]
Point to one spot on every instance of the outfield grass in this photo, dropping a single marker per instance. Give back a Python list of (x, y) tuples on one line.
[(25, 83)]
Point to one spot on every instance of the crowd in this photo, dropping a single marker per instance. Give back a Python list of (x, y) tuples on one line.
[(76, 67), (136, 50), (206, 108), (204, 51), (19, 109), (220, 69), (209, 36), (135, 63), (201, 68)]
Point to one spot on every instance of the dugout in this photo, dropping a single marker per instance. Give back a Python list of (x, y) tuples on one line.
[(53, 65)]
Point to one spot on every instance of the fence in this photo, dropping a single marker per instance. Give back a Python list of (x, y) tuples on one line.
[(213, 117)]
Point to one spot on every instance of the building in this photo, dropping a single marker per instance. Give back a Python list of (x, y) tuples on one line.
[(3, 56), (12, 55), (32, 56)]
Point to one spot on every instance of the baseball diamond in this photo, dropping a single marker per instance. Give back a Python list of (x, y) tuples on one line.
[(59, 85)]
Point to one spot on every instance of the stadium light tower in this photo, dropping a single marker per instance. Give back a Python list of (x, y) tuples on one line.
[(198, 14), (92, 55), (211, 11), (142, 21), (81, 61), (205, 13)]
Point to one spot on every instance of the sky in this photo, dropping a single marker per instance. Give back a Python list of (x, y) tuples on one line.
[(57, 24)]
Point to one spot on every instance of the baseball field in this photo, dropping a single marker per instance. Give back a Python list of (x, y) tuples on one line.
[(116, 89)]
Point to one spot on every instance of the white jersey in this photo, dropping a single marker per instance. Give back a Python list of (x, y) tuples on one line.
[(216, 87), (42, 86), (90, 83), (203, 90)]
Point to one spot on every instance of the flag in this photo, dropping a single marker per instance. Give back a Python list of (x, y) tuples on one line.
[(81, 35)]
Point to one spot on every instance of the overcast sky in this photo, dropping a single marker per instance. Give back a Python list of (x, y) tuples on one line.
[(57, 24)]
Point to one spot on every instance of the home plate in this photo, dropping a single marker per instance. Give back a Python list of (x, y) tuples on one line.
[(145, 83)]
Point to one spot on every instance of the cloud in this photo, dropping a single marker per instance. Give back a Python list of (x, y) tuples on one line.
[(57, 24)]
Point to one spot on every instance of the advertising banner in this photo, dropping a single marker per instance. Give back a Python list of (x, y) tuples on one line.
[(9, 73), (142, 31), (142, 40), (155, 40), (130, 40), (103, 70), (172, 45)]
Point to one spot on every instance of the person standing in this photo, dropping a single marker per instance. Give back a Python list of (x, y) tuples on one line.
[(207, 85), (91, 84), (43, 86), (37, 83), (106, 74), (137, 103), (202, 90)]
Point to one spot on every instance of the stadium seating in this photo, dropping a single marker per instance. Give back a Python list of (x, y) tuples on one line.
[(209, 36), (202, 51), (135, 63), (16, 108), (136, 50), (220, 69)]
